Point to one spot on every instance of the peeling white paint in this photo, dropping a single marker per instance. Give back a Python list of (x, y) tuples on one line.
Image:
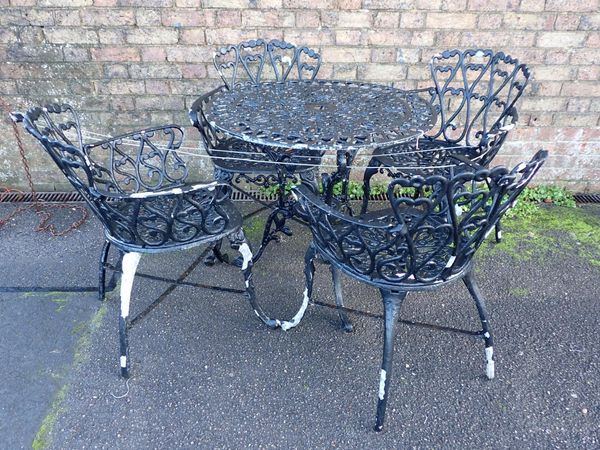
[(458, 210), (521, 167), (286, 60), (507, 127), (499, 234), (123, 361), (286, 325), (451, 261), (490, 368), (487, 233), (246, 254), (382, 378), (129, 264), (487, 335)]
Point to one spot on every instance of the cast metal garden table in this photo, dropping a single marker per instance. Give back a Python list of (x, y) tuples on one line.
[(297, 118)]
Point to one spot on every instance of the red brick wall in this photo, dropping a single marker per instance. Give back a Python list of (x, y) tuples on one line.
[(131, 63)]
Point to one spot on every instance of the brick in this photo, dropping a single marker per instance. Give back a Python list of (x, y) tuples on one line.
[(553, 73), (313, 38), (575, 119), (108, 17), (158, 87), (433, 5), (61, 3), (496, 5), (224, 36), (589, 22), (7, 36), (121, 103), (463, 21), (151, 36), (310, 4), (383, 72), (543, 104), (308, 19), (228, 18), (234, 4), (578, 105), (153, 54), (344, 72), (148, 17), (578, 88), (187, 19), (354, 19), (155, 70), (159, 102), (193, 71), (454, 5), (105, 3), (567, 21), (8, 87), (345, 54), (557, 57), (491, 21), (349, 4), (42, 17), (571, 5), (418, 73), (588, 73), (119, 87), (532, 5), (561, 39), (76, 54), (116, 71), (593, 40), (192, 36), (146, 3), (585, 56), (383, 55), (422, 38), (408, 55), (412, 20), (397, 38), (111, 36), (350, 37), (66, 18), (115, 54), (519, 21), (71, 36), (386, 19), (389, 4), (31, 35), (190, 54), (270, 18), (263, 4)]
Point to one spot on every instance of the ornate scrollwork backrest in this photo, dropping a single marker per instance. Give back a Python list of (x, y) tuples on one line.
[(57, 129), (241, 63), (476, 93), (255, 61), (143, 161), (435, 226)]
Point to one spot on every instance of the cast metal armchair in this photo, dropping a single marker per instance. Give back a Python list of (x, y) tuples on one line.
[(136, 185), (475, 93), (425, 240), (236, 161)]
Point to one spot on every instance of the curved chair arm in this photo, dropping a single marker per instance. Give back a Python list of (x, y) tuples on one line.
[(172, 192), (172, 128)]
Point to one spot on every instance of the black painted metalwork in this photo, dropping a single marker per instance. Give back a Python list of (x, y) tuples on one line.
[(136, 186), (425, 240), (475, 94)]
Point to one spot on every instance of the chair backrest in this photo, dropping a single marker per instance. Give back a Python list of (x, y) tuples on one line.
[(475, 94), (431, 234), (251, 62), (135, 162)]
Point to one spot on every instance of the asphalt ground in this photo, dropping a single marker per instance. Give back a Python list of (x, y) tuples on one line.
[(206, 373)]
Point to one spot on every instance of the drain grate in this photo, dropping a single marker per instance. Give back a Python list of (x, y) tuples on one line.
[(61, 197)]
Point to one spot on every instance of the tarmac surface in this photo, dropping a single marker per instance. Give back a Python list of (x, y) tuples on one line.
[(206, 373)]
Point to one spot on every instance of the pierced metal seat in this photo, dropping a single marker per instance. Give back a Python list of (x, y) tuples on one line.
[(426, 239), (136, 185), (475, 94)]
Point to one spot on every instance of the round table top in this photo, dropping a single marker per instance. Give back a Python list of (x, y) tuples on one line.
[(320, 114)]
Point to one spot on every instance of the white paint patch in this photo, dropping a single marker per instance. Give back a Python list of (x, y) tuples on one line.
[(507, 127), (521, 166), (499, 234), (129, 264), (382, 378), (286, 60), (123, 361), (246, 254), (490, 367), (514, 203), (286, 325), (458, 210), (487, 335), (451, 261), (487, 233)]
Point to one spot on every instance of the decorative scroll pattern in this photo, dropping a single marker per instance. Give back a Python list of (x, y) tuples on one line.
[(319, 115), (429, 234), (139, 190)]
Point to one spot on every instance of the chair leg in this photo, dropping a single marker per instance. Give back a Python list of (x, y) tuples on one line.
[(102, 274), (486, 329), (392, 301), (339, 299), (372, 170), (498, 232), (130, 263)]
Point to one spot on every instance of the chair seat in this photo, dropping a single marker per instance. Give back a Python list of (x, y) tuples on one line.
[(388, 250), (432, 155), (166, 223), (241, 157)]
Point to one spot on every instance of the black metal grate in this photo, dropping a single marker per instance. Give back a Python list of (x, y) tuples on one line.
[(18, 197)]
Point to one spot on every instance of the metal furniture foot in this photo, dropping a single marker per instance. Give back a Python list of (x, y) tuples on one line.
[(102, 274), (130, 263), (339, 300)]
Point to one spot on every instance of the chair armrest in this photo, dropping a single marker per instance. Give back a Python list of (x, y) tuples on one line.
[(174, 144), (176, 191)]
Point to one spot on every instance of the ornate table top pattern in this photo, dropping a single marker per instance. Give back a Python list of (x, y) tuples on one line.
[(320, 114)]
